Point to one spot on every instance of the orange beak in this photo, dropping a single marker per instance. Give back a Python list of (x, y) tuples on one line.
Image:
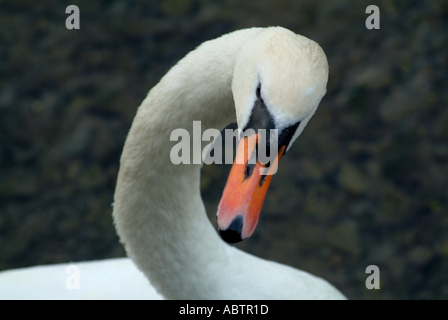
[(244, 194)]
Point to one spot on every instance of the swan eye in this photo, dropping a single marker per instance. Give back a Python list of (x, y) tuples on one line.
[(259, 92), (260, 117)]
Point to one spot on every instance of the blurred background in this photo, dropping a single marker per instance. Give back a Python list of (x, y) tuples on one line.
[(365, 184)]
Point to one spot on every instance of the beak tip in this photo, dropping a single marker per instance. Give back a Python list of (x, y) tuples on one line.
[(230, 236), (233, 232)]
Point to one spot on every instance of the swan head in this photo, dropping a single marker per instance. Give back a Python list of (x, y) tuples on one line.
[(278, 81)]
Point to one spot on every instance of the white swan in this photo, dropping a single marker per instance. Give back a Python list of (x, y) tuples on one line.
[(272, 78)]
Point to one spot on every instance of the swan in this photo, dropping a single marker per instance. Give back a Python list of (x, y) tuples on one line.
[(264, 78)]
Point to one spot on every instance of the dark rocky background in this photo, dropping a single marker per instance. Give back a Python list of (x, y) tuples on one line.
[(366, 183)]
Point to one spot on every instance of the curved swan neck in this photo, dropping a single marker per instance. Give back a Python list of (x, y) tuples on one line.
[(158, 211)]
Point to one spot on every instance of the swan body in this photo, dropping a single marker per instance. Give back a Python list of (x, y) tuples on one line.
[(158, 211), (104, 279)]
